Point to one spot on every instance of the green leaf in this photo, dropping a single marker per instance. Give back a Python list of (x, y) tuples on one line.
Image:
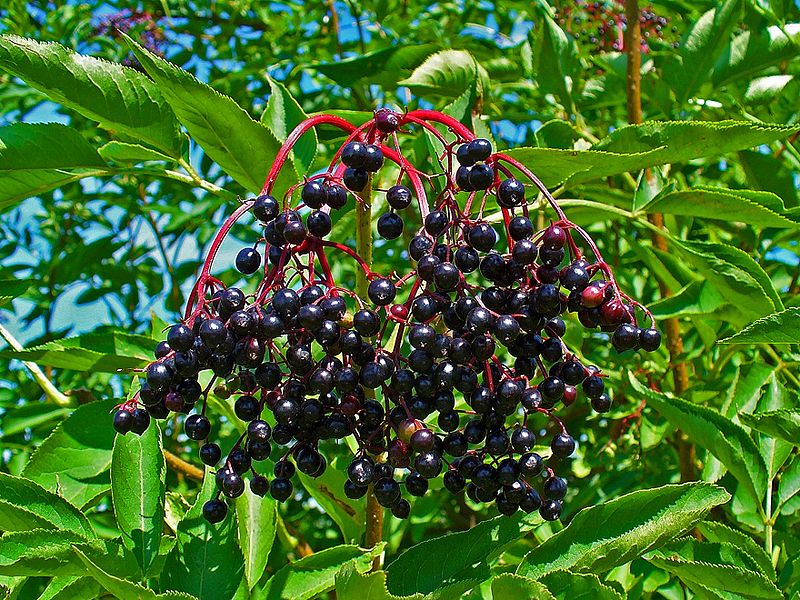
[(13, 288), (20, 496), (509, 585), (123, 152), (50, 553), (120, 99), (722, 205), (616, 531), (714, 531), (256, 519), (726, 440), (752, 51), (715, 565), (122, 588), (71, 588), (106, 351), (555, 59), (30, 416), (45, 146), (789, 484), (388, 65), (700, 48), (206, 561), (778, 328), (783, 423), (327, 490), (697, 298), (738, 277), (76, 458), (244, 148), (448, 73), (414, 571), (565, 585), (25, 170), (315, 574), (636, 147), (137, 489), (351, 584), (282, 115), (764, 90)]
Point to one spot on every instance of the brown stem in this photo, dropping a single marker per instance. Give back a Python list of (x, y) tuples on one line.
[(672, 329), (176, 463)]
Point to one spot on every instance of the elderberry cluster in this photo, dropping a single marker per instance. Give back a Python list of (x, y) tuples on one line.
[(457, 368)]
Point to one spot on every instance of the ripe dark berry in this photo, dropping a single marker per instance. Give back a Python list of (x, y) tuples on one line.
[(247, 261), (510, 193), (246, 407), (337, 196), (355, 179), (593, 386), (398, 197), (401, 509), (481, 176), (197, 427), (554, 237), (259, 485), (360, 471), (387, 491), (446, 277), (649, 339), (373, 158), (319, 224), (354, 154), (210, 454), (436, 222), (418, 246), (280, 489), (314, 194), (530, 464), (265, 208), (520, 228), (123, 420), (158, 376), (428, 464), (482, 237), (602, 403), (381, 291), (462, 178), (215, 511), (390, 225), (562, 445), (180, 338), (550, 510), (479, 149), (524, 252), (140, 421)]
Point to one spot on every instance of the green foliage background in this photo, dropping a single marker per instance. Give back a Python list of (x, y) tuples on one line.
[(113, 180)]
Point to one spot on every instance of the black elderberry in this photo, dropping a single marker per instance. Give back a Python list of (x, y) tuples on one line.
[(562, 445), (373, 158), (649, 339), (479, 149), (259, 485), (265, 208), (215, 511), (140, 421), (319, 225), (123, 420), (481, 176), (356, 179), (337, 196), (197, 427), (401, 509), (354, 154), (511, 193), (398, 197), (390, 225), (280, 488), (381, 291), (314, 194)]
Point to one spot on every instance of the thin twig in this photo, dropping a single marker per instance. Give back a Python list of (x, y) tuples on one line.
[(176, 463), (38, 375)]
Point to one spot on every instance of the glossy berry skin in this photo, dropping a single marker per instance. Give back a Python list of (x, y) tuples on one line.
[(550, 510), (314, 194), (398, 197), (215, 511), (481, 176), (123, 420), (265, 208), (381, 292), (390, 225), (197, 427), (562, 445), (479, 149), (510, 193), (280, 489), (319, 224), (140, 421), (354, 154), (649, 339), (355, 179), (210, 454), (180, 337)]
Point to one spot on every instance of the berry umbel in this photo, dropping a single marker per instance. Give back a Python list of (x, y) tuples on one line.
[(456, 369)]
